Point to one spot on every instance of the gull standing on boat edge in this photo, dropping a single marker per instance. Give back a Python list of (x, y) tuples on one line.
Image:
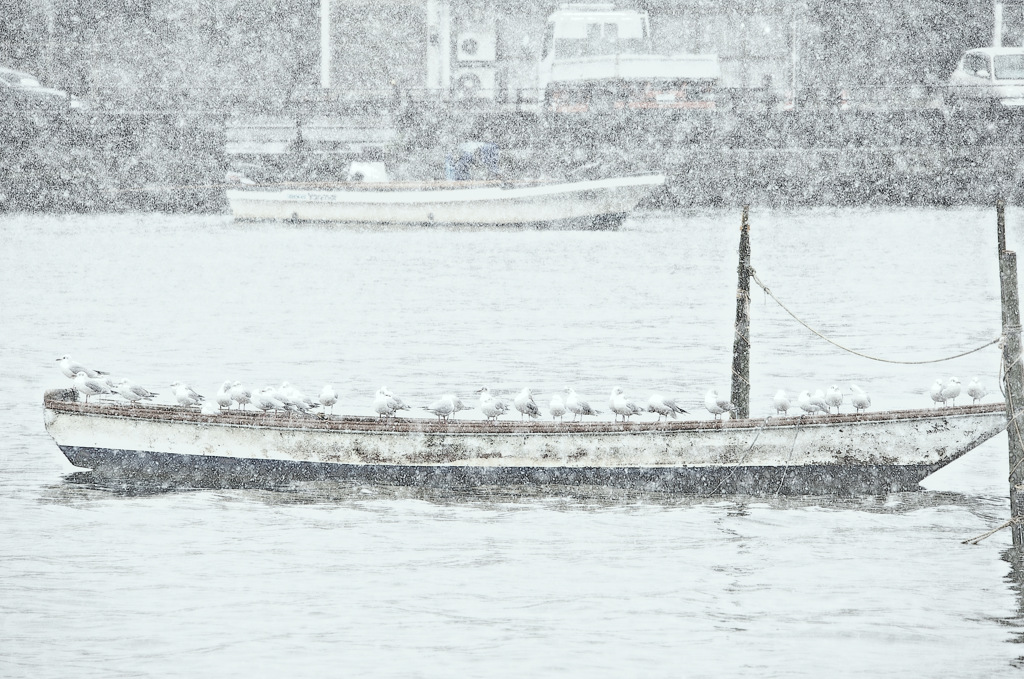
[(576, 406), (387, 404), (976, 390), (240, 394), (557, 407), (132, 392), (781, 402), (525, 404), (861, 400), (716, 405), (328, 397), (951, 390), (620, 404), (664, 407), (90, 386), (491, 407)]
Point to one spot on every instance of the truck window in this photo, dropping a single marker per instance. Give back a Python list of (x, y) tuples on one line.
[(1009, 66), (974, 63)]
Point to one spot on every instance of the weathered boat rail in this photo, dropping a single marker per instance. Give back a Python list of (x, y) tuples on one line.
[(64, 400)]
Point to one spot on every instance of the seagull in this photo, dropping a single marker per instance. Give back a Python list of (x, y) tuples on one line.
[(491, 407), (717, 405), (557, 407), (861, 400), (266, 400), (781, 402), (386, 404), (809, 404), (89, 386), (240, 394), (223, 397), (936, 393), (666, 407), (620, 404), (834, 398), (951, 390), (186, 395), (296, 399), (577, 407), (328, 397), (133, 392), (818, 399), (525, 404), (70, 367), (446, 406), (976, 391)]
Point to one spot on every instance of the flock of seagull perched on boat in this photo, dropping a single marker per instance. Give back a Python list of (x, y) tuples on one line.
[(287, 398)]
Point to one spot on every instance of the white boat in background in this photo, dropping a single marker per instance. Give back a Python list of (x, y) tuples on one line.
[(593, 204)]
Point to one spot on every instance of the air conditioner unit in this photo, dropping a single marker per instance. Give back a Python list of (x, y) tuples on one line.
[(473, 82), (476, 45)]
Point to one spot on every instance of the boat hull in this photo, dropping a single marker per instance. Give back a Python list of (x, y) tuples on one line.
[(189, 471), (599, 204), (842, 454)]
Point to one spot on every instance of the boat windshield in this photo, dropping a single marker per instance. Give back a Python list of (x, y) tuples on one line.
[(1009, 66), (593, 36)]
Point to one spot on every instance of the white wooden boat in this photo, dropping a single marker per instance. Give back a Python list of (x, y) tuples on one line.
[(596, 204), (845, 454)]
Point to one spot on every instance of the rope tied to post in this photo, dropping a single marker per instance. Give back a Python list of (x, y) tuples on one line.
[(768, 292)]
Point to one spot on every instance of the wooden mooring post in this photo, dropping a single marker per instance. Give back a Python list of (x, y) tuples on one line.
[(741, 342), (1013, 377)]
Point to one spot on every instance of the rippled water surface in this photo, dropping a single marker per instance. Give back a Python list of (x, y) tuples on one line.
[(361, 580)]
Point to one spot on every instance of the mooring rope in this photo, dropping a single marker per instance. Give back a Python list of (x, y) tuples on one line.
[(768, 292)]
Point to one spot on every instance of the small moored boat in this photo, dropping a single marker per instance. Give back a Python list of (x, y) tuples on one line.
[(593, 204), (835, 454)]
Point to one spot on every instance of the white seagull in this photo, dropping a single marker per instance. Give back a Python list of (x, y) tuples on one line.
[(223, 396), (265, 400), (665, 407), (861, 400), (328, 397), (809, 404), (976, 391), (70, 367), (89, 386), (186, 395), (620, 404), (525, 404), (387, 404), (834, 398), (818, 399), (491, 407), (577, 407), (133, 392), (446, 406), (240, 394), (781, 402), (296, 399), (951, 390), (557, 407), (717, 405), (936, 392)]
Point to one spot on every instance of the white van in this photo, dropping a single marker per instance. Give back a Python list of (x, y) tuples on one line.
[(988, 75)]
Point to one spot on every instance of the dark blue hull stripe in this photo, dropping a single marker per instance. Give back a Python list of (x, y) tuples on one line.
[(190, 471)]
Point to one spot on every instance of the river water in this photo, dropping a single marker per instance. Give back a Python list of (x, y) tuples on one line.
[(361, 580)]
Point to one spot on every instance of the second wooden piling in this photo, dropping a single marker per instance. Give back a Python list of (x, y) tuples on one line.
[(1013, 375), (740, 396)]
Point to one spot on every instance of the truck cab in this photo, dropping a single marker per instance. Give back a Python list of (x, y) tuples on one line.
[(988, 76), (596, 57)]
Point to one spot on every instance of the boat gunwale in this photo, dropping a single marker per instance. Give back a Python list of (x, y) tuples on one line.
[(61, 400)]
